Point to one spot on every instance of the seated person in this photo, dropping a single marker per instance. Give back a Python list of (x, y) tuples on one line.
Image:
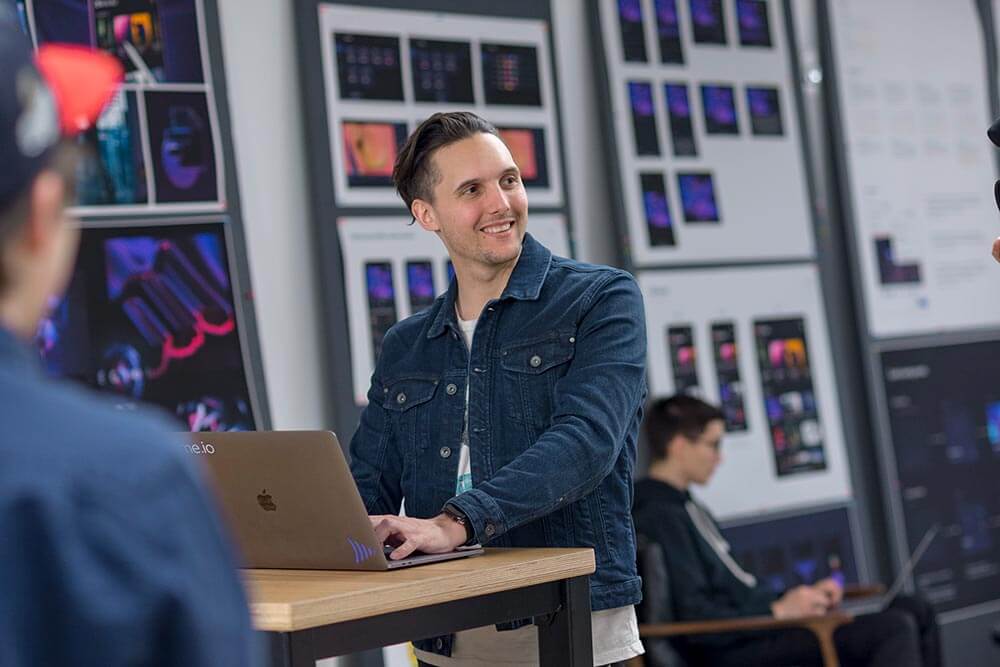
[(684, 435)]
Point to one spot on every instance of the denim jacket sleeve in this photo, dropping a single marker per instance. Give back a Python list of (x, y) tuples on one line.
[(376, 472), (596, 402)]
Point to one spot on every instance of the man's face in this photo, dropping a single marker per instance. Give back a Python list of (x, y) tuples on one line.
[(479, 209), (702, 455)]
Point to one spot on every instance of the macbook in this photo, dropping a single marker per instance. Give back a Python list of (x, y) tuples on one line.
[(290, 502)]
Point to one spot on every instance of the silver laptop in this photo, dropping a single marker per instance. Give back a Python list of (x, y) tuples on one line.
[(290, 502), (877, 603)]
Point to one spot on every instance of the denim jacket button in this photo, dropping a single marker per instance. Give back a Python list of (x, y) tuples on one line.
[(451, 389), (535, 361), (439, 644), (401, 398), (572, 339), (445, 452), (490, 529)]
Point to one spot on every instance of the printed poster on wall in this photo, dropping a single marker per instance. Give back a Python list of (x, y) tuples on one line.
[(156, 147)]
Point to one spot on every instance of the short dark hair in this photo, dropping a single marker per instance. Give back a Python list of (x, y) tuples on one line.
[(667, 418), (414, 174)]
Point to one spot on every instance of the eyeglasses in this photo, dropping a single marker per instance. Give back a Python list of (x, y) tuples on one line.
[(714, 444)]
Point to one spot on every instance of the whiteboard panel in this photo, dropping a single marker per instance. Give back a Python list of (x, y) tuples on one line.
[(913, 99), (785, 378), (755, 162), (401, 32)]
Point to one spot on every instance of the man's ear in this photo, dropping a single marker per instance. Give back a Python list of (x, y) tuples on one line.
[(674, 444), (47, 201), (423, 213)]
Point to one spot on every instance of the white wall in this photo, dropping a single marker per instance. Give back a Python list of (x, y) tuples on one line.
[(265, 107), (583, 133)]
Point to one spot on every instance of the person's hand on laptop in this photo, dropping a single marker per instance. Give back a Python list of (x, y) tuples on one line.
[(432, 536), (799, 602), (834, 591)]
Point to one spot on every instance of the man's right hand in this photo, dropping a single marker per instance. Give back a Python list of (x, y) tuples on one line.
[(996, 250), (432, 536), (801, 601)]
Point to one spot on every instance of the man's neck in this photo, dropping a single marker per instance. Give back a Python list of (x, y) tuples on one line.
[(478, 285), (18, 316), (663, 471)]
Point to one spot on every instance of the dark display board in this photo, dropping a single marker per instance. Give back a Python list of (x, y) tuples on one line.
[(797, 550), (160, 308), (943, 410), (150, 316)]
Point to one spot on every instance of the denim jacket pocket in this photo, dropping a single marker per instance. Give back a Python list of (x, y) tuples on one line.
[(407, 400), (531, 370)]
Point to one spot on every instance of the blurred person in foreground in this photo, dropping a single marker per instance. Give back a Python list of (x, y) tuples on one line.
[(112, 552)]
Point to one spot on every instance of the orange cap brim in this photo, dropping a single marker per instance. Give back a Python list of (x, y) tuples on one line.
[(82, 80)]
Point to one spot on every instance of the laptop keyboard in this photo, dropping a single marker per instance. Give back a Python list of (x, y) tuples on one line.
[(386, 550)]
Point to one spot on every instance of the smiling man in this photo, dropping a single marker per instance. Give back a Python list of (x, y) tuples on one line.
[(507, 412)]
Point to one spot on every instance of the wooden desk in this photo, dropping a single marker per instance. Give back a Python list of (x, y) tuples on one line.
[(313, 614)]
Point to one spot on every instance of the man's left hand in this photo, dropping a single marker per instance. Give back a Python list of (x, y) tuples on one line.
[(432, 536), (832, 590)]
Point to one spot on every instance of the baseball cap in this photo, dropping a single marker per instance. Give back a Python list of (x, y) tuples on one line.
[(58, 92)]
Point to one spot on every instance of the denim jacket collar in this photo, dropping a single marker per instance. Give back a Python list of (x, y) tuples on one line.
[(525, 284)]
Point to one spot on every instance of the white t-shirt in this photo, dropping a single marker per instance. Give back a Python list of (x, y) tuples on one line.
[(464, 482), (614, 632), (614, 637)]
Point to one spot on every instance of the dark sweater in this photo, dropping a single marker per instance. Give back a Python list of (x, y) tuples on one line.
[(702, 587)]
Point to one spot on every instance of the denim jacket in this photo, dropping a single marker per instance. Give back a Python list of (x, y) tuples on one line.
[(556, 381)]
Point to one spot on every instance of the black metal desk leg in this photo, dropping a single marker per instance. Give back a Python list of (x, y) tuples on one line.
[(564, 637), (291, 649)]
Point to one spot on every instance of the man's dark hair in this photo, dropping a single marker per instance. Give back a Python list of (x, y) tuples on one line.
[(414, 173), (678, 415)]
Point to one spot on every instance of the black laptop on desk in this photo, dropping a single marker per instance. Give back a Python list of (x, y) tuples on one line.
[(291, 503)]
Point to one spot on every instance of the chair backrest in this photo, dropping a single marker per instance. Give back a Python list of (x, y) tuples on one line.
[(657, 605)]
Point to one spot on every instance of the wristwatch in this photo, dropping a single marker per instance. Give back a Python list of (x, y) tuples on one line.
[(459, 517)]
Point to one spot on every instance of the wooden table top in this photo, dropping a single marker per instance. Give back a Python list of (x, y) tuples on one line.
[(289, 600)]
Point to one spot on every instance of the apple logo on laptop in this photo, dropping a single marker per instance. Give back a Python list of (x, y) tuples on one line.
[(265, 501)]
